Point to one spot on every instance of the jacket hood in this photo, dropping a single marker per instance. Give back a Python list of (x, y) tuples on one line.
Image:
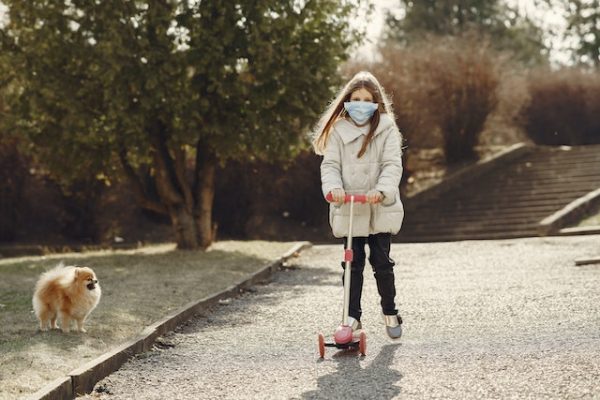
[(349, 132)]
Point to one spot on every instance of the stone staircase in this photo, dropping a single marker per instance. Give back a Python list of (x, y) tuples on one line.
[(508, 201)]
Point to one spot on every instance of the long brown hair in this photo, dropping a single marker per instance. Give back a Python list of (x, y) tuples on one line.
[(362, 80)]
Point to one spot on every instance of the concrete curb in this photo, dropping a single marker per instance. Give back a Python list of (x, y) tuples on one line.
[(580, 230), (83, 379), (568, 213), (587, 261), (469, 173)]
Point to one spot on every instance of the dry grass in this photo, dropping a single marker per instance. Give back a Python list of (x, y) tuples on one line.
[(138, 288)]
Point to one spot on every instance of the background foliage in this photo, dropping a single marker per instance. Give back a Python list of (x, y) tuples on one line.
[(563, 108), (493, 20), (87, 87), (146, 89)]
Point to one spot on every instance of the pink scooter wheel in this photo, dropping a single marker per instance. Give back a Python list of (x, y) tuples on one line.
[(362, 345), (321, 345)]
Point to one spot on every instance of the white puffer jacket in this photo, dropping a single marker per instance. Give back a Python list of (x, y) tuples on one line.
[(379, 168)]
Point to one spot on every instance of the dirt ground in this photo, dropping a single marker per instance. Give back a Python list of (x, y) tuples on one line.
[(138, 288)]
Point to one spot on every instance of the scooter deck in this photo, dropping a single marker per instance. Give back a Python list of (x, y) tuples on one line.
[(354, 344), (345, 346)]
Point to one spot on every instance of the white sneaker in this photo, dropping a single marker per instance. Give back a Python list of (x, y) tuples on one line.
[(393, 325), (354, 324)]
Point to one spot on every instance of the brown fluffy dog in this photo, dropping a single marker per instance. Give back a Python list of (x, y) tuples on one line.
[(68, 293)]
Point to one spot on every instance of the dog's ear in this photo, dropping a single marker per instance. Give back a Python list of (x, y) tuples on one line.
[(77, 271)]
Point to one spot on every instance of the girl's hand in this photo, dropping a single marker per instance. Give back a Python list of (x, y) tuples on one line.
[(374, 196), (338, 195)]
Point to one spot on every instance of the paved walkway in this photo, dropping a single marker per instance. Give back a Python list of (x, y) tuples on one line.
[(489, 319)]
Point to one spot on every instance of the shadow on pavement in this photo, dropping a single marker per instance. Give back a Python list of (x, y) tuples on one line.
[(351, 381)]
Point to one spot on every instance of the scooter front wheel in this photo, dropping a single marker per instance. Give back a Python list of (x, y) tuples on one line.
[(321, 345), (362, 344)]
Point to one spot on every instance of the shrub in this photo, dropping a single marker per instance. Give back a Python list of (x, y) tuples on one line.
[(80, 202), (13, 173), (502, 127), (267, 200), (443, 91), (34, 207), (563, 108)]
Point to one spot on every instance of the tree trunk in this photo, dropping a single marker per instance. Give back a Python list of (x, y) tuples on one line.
[(204, 192), (184, 228), (204, 224), (182, 220), (171, 188)]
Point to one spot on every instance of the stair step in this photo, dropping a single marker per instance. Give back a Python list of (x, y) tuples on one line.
[(441, 229), (548, 177), (517, 178), (454, 238), (467, 218), (479, 206), (526, 182), (509, 202), (558, 158), (522, 195)]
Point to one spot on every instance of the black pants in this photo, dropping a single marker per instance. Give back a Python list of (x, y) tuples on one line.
[(383, 268)]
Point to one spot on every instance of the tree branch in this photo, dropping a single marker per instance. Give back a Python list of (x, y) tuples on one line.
[(138, 187), (204, 157), (167, 183), (180, 171)]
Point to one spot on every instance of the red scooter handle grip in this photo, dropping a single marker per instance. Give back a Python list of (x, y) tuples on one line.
[(358, 198)]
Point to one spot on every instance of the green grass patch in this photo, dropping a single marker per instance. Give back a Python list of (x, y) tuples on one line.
[(138, 288)]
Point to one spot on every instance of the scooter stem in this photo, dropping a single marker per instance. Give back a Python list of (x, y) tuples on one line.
[(348, 257)]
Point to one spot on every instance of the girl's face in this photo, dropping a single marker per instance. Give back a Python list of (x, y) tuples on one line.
[(361, 94)]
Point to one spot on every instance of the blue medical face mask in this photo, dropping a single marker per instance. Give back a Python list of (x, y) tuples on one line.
[(360, 111)]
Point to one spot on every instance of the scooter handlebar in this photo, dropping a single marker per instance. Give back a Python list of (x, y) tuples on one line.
[(358, 198)]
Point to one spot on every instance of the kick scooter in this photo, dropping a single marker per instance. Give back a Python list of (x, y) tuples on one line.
[(342, 337)]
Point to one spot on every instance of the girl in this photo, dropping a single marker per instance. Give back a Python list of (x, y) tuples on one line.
[(361, 148)]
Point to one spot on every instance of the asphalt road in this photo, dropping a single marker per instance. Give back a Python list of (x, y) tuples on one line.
[(483, 319)]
